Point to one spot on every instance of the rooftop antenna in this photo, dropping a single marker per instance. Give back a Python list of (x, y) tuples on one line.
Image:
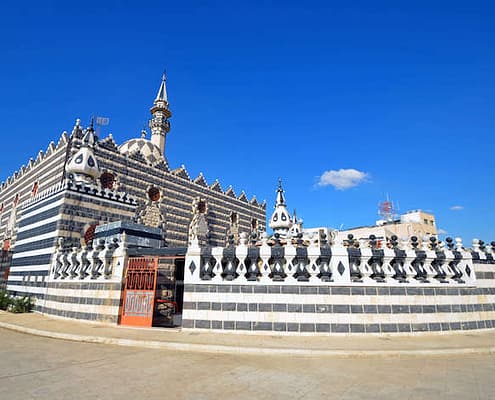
[(100, 121), (386, 210)]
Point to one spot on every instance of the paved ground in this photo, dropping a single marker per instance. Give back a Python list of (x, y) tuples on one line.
[(467, 342), (34, 367)]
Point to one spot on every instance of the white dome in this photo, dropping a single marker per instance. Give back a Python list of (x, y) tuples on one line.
[(150, 151)]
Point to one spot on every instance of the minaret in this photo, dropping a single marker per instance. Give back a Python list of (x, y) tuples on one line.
[(280, 222), (159, 123)]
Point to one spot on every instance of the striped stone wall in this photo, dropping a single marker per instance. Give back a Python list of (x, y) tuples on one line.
[(37, 231), (64, 210), (221, 294), (337, 309)]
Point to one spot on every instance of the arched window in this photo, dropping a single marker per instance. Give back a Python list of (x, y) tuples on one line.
[(107, 180), (34, 190), (233, 218), (153, 193), (201, 206), (16, 199), (254, 223)]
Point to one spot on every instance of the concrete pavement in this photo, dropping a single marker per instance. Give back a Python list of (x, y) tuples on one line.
[(363, 346), (33, 367)]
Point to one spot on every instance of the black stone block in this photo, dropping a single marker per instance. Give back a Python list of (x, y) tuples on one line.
[(411, 291), (444, 308), (340, 328), (372, 328), (295, 308), (341, 308), (388, 328), (228, 325), (322, 327), (202, 324), (323, 290), (309, 308), (370, 309), (357, 309), (216, 324), (246, 289), (228, 306), (290, 289), (455, 326), (309, 290), (357, 291), (262, 326), (292, 327), (357, 328), (280, 326), (397, 291), (341, 291), (404, 327), (383, 309), (400, 309), (428, 309), (243, 325), (242, 307), (279, 307), (265, 307), (434, 326), (274, 289), (419, 327), (307, 327)]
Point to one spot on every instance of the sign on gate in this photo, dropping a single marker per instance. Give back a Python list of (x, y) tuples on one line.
[(139, 292)]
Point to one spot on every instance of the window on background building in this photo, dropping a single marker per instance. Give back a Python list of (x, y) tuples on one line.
[(107, 180), (425, 221)]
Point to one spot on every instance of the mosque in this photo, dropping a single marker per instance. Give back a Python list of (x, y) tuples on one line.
[(83, 182), (96, 231)]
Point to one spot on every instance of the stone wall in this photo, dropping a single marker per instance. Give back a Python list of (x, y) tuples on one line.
[(293, 288)]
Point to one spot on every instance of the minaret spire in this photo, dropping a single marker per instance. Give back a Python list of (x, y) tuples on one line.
[(159, 123), (162, 92)]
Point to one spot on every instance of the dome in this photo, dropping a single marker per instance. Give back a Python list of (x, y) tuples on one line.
[(150, 151)]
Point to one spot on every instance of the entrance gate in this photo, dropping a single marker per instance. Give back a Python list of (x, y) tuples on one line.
[(139, 291), (153, 291)]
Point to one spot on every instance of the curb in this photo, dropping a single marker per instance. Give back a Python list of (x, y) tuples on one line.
[(222, 349)]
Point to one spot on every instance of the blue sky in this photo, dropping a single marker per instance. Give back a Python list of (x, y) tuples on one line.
[(400, 92)]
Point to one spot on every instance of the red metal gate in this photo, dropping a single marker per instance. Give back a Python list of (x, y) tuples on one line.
[(139, 291)]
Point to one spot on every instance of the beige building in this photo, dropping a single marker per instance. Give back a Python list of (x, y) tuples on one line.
[(412, 223)]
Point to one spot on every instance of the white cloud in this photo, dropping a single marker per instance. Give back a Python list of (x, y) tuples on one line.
[(442, 232), (457, 208), (342, 179)]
